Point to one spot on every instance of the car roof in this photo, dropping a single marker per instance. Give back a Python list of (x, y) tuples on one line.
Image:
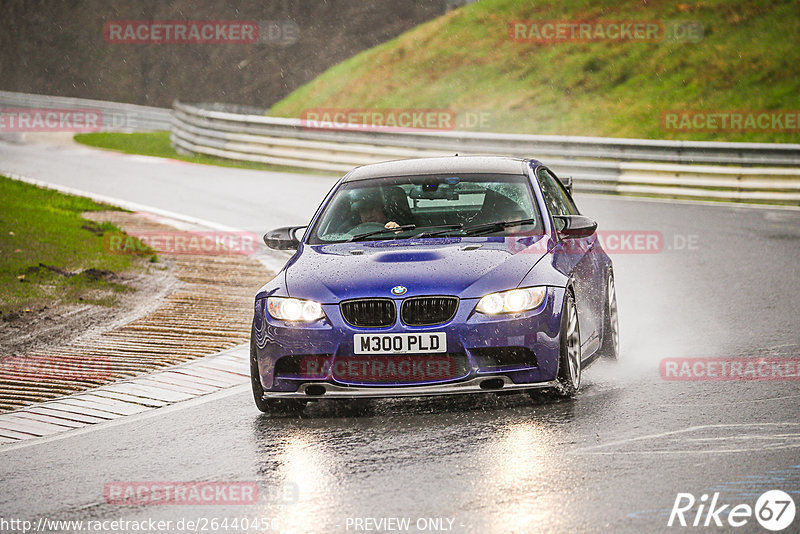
[(450, 164)]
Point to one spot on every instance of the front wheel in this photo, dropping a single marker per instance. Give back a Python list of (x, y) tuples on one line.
[(569, 361), (271, 406)]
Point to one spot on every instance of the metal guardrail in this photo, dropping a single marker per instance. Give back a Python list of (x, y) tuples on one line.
[(116, 116), (744, 172)]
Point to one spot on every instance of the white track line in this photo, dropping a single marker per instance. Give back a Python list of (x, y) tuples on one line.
[(271, 259), (132, 206), (793, 442)]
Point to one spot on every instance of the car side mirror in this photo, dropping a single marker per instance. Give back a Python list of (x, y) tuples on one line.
[(574, 226), (284, 238)]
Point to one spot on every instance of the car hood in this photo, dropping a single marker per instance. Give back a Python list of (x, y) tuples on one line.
[(464, 267)]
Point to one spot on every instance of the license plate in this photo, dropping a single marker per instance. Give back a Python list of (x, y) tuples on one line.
[(400, 343)]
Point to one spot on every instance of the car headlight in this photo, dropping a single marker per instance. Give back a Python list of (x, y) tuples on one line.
[(512, 301), (297, 310)]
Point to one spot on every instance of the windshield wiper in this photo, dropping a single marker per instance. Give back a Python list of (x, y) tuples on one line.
[(479, 228), (445, 228), (494, 226), (406, 227), (359, 237)]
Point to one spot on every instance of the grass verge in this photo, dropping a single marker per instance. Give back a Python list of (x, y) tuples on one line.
[(466, 62), (50, 254)]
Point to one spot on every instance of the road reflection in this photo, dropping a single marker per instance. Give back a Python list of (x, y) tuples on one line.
[(482, 461)]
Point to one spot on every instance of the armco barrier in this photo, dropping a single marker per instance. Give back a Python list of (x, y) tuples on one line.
[(116, 116), (744, 172)]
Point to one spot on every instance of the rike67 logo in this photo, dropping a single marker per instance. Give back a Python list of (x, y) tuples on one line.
[(774, 510)]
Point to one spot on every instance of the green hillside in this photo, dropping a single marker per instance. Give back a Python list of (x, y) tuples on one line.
[(748, 59)]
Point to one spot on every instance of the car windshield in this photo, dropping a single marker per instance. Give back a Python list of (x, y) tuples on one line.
[(444, 205)]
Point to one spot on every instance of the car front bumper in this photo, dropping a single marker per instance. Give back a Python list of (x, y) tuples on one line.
[(469, 334)]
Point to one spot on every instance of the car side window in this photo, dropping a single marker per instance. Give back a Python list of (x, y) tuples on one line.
[(569, 204), (552, 196), (572, 209)]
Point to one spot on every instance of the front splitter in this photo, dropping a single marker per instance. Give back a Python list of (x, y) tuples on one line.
[(472, 385)]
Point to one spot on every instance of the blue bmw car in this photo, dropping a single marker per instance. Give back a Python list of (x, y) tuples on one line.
[(435, 276)]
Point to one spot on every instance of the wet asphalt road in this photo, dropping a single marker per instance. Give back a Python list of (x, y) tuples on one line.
[(612, 460)]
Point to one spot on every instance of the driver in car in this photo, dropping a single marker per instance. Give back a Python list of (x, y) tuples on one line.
[(370, 210)]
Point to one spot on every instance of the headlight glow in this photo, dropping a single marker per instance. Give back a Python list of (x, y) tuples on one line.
[(297, 310), (512, 301)]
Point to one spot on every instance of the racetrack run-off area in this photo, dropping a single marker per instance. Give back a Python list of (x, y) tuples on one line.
[(582, 465), (207, 311)]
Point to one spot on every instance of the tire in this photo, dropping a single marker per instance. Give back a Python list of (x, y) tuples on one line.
[(569, 360), (270, 406), (610, 347)]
